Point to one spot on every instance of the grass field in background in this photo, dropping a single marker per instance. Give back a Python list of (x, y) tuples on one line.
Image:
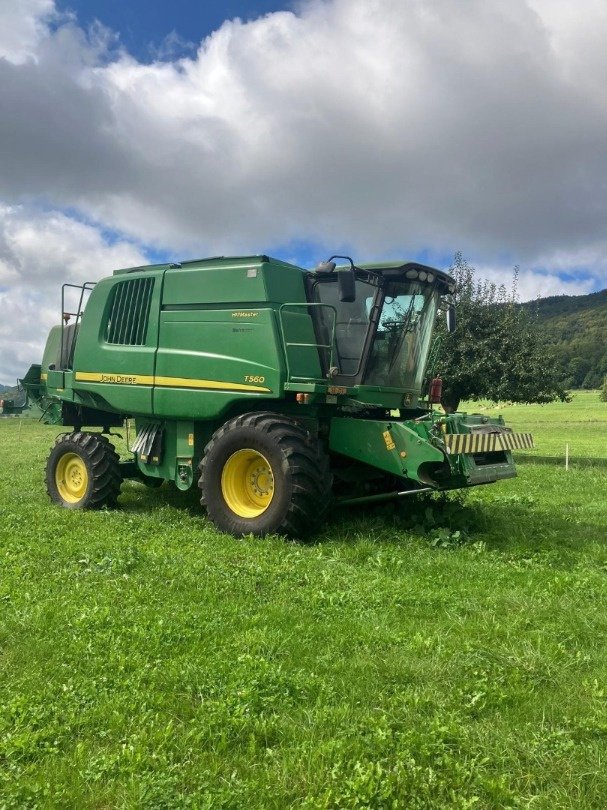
[(580, 423), (442, 653)]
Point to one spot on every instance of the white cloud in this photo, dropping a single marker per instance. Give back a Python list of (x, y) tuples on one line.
[(38, 253), (533, 284), (23, 24), (387, 126)]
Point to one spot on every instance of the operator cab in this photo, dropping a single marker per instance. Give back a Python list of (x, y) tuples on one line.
[(378, 321)]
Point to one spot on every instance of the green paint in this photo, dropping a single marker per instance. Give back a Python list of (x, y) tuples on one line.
[(391, 446), (186, 347)]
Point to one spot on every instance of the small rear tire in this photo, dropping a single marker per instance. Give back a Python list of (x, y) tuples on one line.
[(264, 473), (83, 471)]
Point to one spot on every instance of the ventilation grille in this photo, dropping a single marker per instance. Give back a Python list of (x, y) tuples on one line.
[(130, 310)]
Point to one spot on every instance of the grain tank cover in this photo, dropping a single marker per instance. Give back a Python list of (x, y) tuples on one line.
[(243, 281)]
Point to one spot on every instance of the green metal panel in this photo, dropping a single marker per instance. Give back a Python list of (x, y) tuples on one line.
[(300, 345), (248, 280), (238, 283), (283, 282), (52, 348), (390, 398), (394, 447), (183, 442), (210, 358), (111, 370)]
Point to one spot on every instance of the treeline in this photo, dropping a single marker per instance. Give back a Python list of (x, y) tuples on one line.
[(576, 327)]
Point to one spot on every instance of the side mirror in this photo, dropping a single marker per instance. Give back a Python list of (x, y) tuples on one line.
[(451, 319), (325, 267), (346, 285)]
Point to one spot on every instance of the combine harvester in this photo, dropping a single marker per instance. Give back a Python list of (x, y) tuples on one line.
[(276, 390), (13, 403), (29, 398)]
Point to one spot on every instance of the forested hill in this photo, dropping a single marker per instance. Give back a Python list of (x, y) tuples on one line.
[(10, 392), (576, 325)]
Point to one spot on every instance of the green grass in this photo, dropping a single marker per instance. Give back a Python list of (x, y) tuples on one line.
[(438, 654), (581, 423)]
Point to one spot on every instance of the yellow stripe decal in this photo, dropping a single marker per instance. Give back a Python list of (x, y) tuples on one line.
[(488, 442), (186, 382), (166, 382)]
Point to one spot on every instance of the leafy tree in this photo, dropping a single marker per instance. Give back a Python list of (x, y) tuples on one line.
[(604, 391), (497, 351), (577, 370)]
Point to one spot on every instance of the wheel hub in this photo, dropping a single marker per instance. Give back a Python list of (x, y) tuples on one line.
[(247, 483), (261, 480), (71, 477)]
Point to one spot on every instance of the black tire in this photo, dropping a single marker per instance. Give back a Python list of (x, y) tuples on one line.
[(302, 480), (83, 472)]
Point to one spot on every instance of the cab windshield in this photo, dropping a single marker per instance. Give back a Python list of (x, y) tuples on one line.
[(401, 343), (397, 347)]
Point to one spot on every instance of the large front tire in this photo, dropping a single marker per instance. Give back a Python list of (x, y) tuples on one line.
[(263, 473), (83, 472)]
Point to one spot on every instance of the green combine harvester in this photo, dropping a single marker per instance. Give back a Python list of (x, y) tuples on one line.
[(9, 407), (28, 398), (276, 390)]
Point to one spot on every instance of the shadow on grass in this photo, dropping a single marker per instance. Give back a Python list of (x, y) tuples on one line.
[(513, 524), (136, 497)]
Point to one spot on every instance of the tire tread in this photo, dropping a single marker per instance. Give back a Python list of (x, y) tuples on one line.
[(303, 458), (104, 466)]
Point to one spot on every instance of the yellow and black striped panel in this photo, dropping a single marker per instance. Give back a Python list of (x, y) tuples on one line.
[(517, 441), (487, 442)]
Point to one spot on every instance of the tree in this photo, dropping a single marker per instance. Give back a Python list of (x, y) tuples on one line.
[(497, 351), (604, 391)]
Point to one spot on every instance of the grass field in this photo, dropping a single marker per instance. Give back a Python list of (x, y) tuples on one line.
[(437, 654)]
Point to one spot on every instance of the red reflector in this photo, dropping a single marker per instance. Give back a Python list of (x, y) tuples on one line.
[(301, 398), (436, 390)]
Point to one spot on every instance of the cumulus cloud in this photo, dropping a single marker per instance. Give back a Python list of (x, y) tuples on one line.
[(533, 284), (388, 127), (38, 253), (23, 24), (383, 124)]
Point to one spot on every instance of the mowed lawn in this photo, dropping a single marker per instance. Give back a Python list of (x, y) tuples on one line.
[(441, 653)]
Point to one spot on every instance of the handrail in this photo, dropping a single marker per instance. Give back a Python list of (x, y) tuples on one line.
[(86, 287), (286, 344)]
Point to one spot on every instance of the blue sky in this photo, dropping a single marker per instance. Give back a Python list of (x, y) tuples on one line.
[(384, 129), (144, 26)]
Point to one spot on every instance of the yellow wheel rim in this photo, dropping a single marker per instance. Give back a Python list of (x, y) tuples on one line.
[(71, 478), (247, 483)]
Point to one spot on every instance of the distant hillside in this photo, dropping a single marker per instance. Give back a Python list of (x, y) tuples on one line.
[(576, 325), (12, 392)]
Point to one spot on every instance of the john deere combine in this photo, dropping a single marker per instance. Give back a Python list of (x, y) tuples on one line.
[(274, 389), (9, 406)]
